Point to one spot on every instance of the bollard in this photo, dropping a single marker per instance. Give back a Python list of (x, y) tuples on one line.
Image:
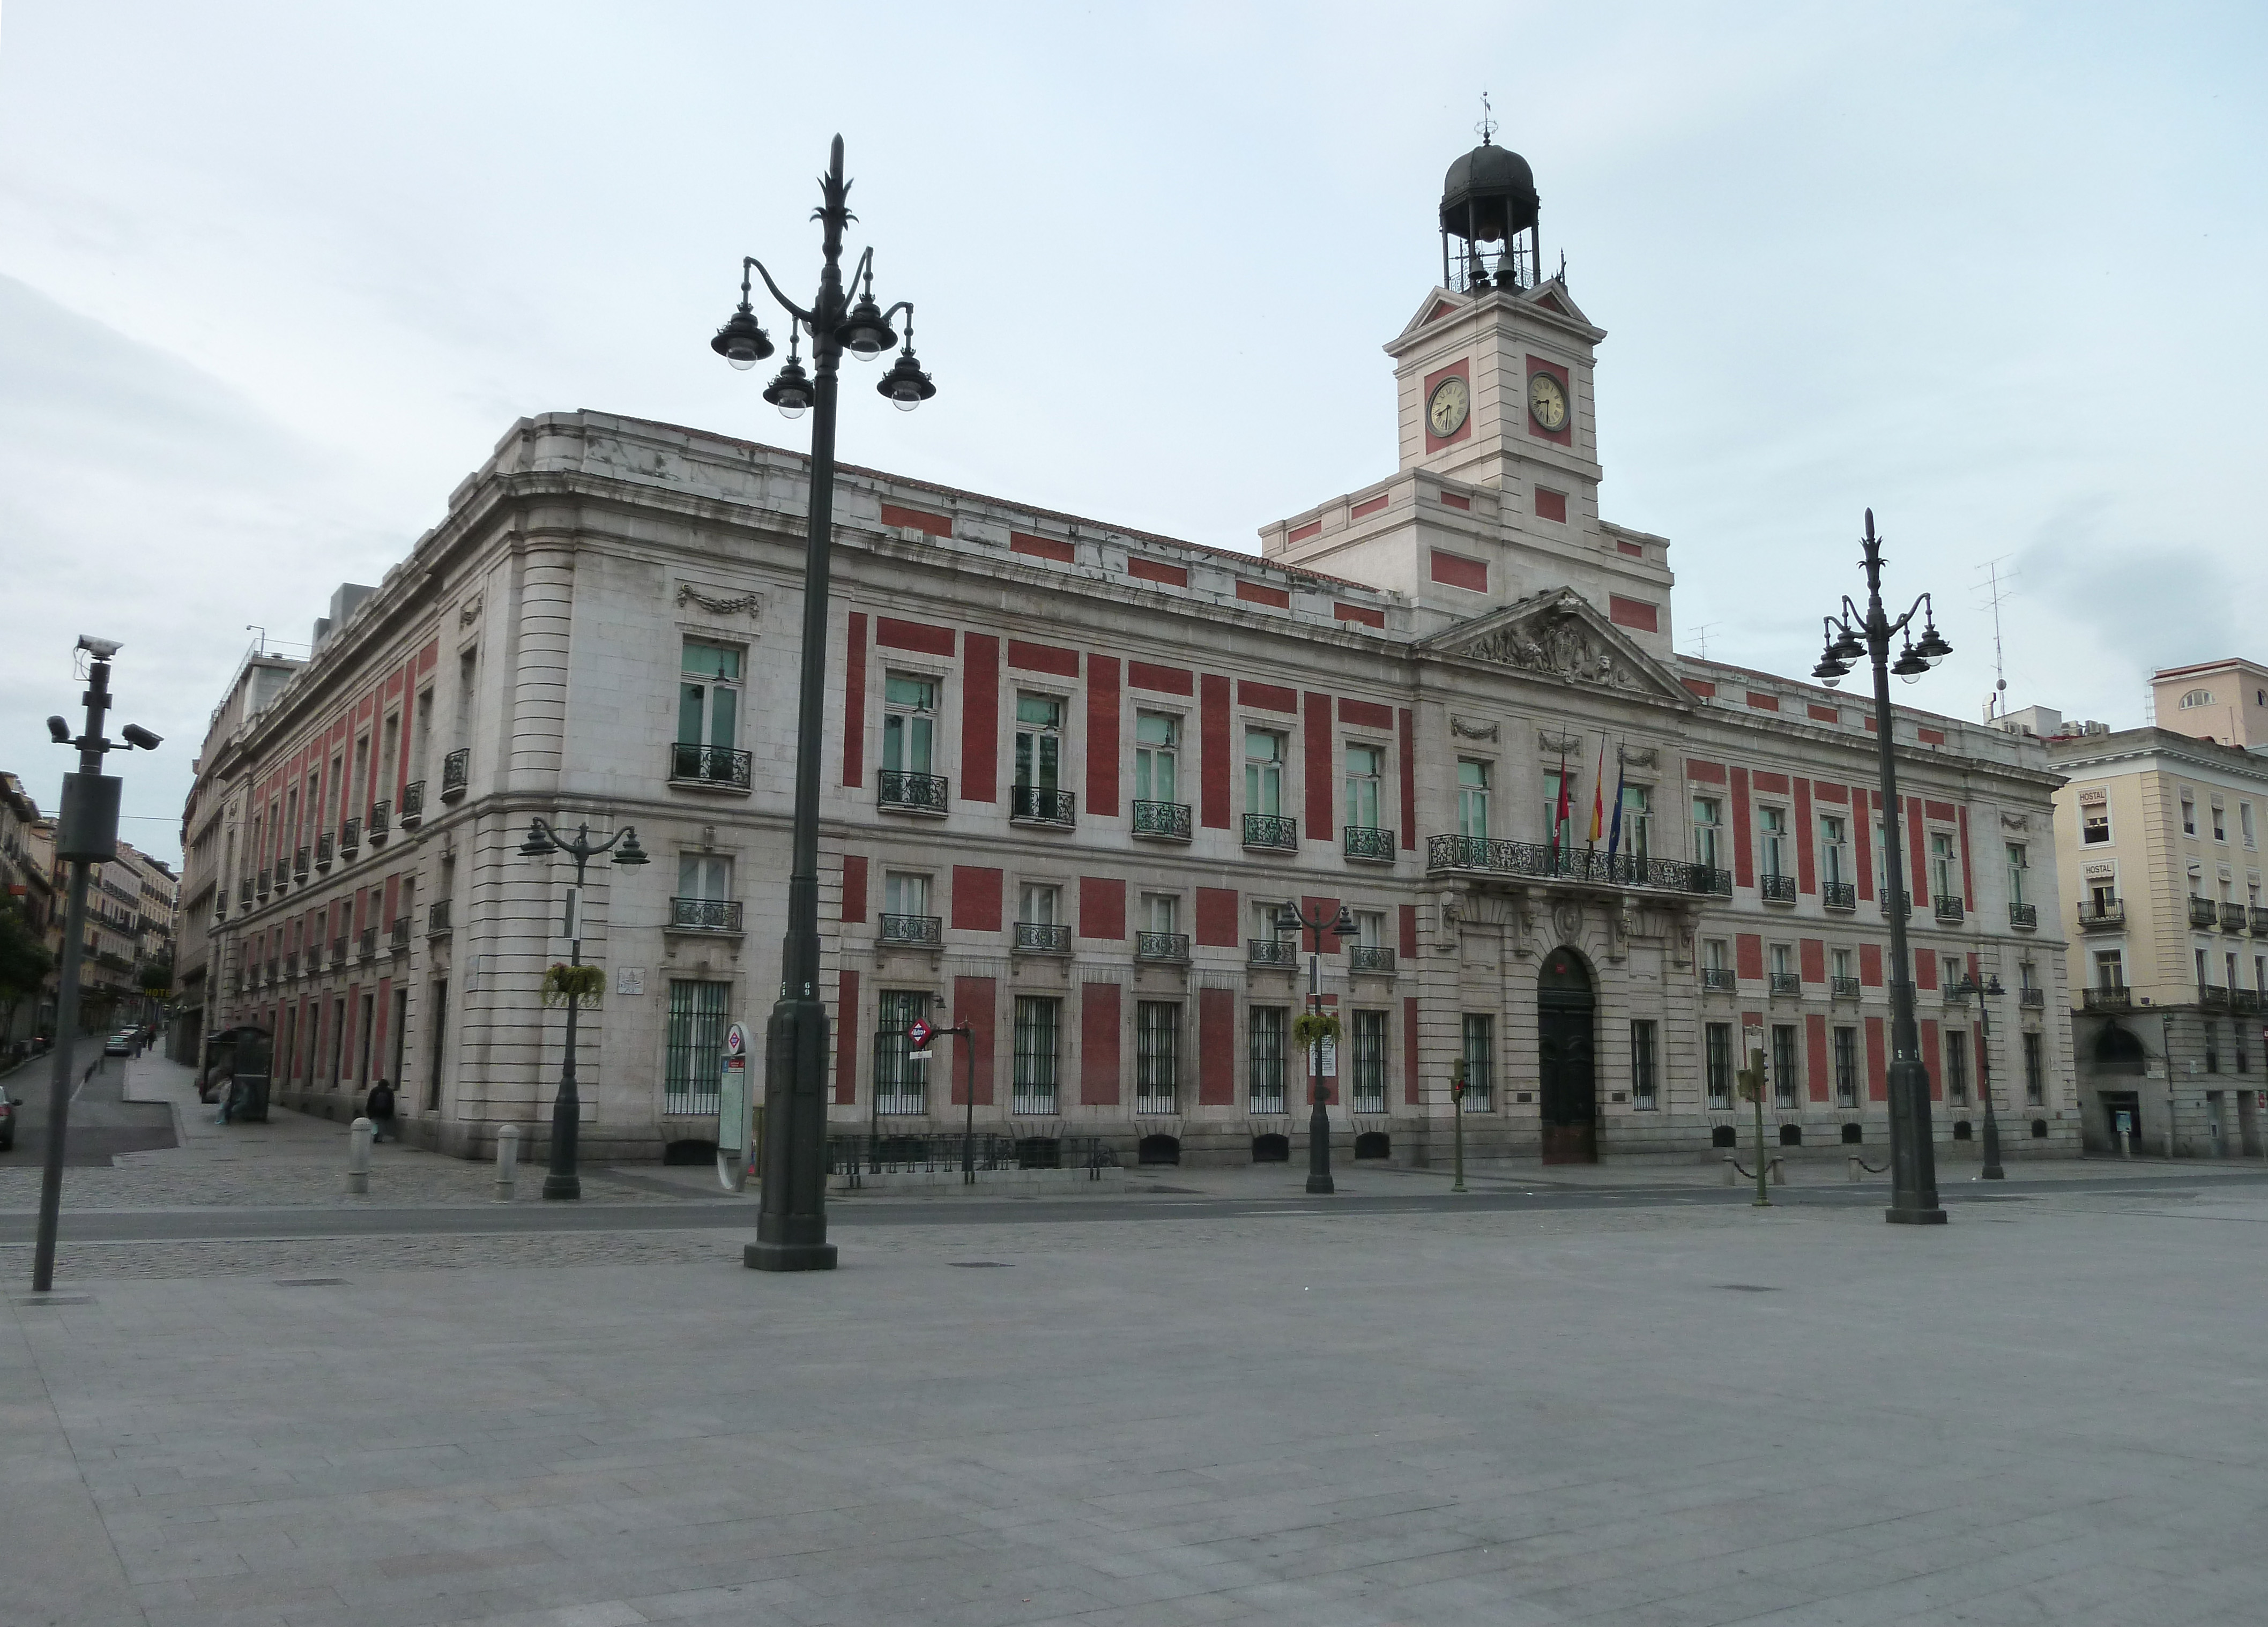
[(1732, 1172), (1778, 1171), (1851, 1165), (358, 1135), (507, 1162), (2125, 1145)]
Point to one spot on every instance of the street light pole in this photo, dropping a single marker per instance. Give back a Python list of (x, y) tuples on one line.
[(1315, 923), (563, 1179), (1984, 993), (1852, 633), (792, 1219)]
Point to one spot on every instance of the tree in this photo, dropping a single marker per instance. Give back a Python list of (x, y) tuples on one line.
[(24, 962)]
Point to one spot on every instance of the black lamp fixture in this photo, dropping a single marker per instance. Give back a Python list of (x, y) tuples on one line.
[(791, 390), (742, 341)]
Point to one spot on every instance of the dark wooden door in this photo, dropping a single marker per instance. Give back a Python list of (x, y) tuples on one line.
[(1568, 1085)]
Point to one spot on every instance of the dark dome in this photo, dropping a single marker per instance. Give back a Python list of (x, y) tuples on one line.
[(1500, 188)]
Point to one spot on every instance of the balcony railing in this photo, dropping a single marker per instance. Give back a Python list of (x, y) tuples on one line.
[(368, 948), (437, 918), (338, 951), (1776, 889), (1272, 952), (1368, 842), (1168, 821), (2232, 917), (1532, 858), (244, 892), (1166, 946), (271, 966), (913, 793), (721, 766), (2102, 915), (1041, 938), (1787, 982), (290, 966), (1838, 895), (2259, 917), (1842, 988), (2115, 998), (299, 859), (2032, 999), (381, 817), (1271, 832), (1043, 805), (413, 805), (706, 915), (2200, 912), (2213, 997), (1948, 910), (1953, 994), (1370, 958), (323, 853), (266, 878), (1900, 900), (350, 836), (2026, 917), (927, 931), (456, 773), (1721, 977), (398, 940), (2246, 1000)]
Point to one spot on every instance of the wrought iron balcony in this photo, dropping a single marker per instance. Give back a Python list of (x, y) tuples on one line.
[(338, 951), (1369, 843), (271, 966), (2201, 911), (927, 932), (1370, 958), (2032, 999), (1719, 977), (1042, 805), (2232, 917), (350, 836), (367, 950), (1168, 821), (299, 859), (1041, 938), (1948, 910), (1166, 946), (399, 941), (265, 877), (290, 966), (1271, 832), (1900, 900), (2025, 917), (244, 891), (1842, 988), (1615, 870), (706, 915), (2118, 997), (456, 773), (413, 805), (2101, 916), (2259, 917), (2213, 997), (381, 816), (1787, 982), (1953, 994), (911, 793), (719, 767), (323, 853), (1838, 895), (2246, 1000), (437, 918), (1272, 952), (1776, 889)]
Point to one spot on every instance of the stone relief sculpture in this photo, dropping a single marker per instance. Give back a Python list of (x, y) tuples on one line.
[(1557, 641), (1471, 729), (718, 604)]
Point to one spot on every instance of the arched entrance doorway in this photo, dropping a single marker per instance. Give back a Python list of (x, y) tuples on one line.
[(1566, 1059)]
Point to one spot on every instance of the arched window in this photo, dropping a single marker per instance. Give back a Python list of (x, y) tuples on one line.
[(2197, 697)]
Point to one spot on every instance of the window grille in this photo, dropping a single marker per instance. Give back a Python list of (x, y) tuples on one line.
[(1265, 1061), (901, 1083), (697, 1020), (1157, 1057), (1480, 1063), (1366, 1092), (1038, 1018)]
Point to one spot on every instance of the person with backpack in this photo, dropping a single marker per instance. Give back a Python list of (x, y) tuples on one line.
[(377, 1107)]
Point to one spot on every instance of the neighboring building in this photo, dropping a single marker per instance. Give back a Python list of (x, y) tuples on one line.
[(2221, 701), (2159, 832), (27, 878), (1072, 769)]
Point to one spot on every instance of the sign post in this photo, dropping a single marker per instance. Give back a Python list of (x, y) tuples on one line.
[(733, 1143)]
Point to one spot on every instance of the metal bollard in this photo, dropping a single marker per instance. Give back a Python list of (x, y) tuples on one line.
[(507, 1173), (1850, 1165), (358, 1135), (1780, 1172), (1732, 1173), (2125, 1145)]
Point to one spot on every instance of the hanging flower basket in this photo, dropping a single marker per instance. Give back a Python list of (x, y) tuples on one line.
[(584, 984), (1313, 1028)]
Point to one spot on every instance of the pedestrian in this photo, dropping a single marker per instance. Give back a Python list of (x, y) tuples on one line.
[(377, 1107)]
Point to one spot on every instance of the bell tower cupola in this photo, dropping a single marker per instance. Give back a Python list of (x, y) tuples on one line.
[(1488, 220)]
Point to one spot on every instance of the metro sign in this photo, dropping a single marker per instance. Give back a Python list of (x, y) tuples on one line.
[(918, 1036)]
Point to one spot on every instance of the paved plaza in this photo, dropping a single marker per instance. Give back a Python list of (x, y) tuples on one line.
[(1655, 1412)]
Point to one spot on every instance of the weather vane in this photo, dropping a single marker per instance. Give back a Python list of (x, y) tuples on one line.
[(1487, 126)]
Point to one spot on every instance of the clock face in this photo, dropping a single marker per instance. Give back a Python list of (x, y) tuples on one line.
[(1446, 411), (1547, 402)]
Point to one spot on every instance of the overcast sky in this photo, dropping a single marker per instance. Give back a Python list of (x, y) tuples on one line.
[(274, 278)]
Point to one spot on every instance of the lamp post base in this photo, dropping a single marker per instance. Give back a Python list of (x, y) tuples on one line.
[(789, 1256), (1914, 1216), (563, 1186)]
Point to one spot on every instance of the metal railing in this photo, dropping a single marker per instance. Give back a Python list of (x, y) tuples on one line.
[(398, 940), (267, 880), (299, 857), (1042, 805), (2200, 911), (2117, 999), (1272, 952), (1169, 821), (1161, 945), (706, 915), (1953, 994), (2213, 997), (927, 930), (456, 773), (851, 1157), (1838, 895), (244, 892), (2100, 916), (1898, 900), (708, 765), (1041, 938), (381, 815), (2232, 917), (413, 805), (338, 951), (1368, 842), (2024, 916), (437, 918), (2032, 999), (1776, 889), (1842, 988), (1531, 859), (323, 852), (2246, 1000), (1948, 910), (922, 793), (1787, 982), (290, 966), (1273, 832), (2259, 918), (350, 835), (1369, 958), (368, 948), (1722, 978)]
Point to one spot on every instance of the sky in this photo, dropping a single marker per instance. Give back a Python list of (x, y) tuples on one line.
[(275, 278)]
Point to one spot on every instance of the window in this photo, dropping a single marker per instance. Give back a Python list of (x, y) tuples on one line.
[(1846, 1067), (1554, 779), (1263, 771), (1637, 821), (2196, 697), (1033, 1088), (1783, 961), (905, 893), (1480, 1063), (1160, 912), (1717, 1048), (1038, 904), (2019, 861), (1365, 768), (1264, 1060), (1157, 1055), (1157, 753), (1944, 878), (908, 724), (901, 1083), (1038, 741), (2211, 1045), (1370, 929), (1472, 798), (2094, 824), (1264, 922), (1840, 960), (1717, 955), (1646, 1089), (1366, 1089), (2109, 968), (2244, 824), (709, 694), (700, 875), (2189, 814), (1956, 1065), (1708, 832), (1787, 1078), (1772, 841), (698, 1013), (2036, 1073), (1834, 858)]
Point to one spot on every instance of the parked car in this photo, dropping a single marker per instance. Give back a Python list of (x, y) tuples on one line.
[(8, 1106), (119, 1044)]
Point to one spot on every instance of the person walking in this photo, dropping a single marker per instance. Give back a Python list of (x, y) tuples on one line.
[(377, 1107)]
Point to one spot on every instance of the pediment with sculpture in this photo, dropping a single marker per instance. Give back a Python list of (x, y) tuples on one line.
[(1560, 635)]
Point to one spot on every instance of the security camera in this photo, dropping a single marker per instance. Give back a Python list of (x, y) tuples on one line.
[(60, 730), (101, 648), (136, 735)]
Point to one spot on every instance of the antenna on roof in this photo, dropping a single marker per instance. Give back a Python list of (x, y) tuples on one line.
[(1701, 637), (1995, 588)]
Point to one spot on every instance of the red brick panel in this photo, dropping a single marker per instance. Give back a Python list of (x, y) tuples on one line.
[(1862, 831), (1924, 971), (915, 636), (1259, 594), (1553, 505), (1268, 696), (1366, 714), (1822, 714), (1098, 1045), (1700, 687), (1744, 863), (1930, 737), (1154, 571), (1878, 1077), (1450, 499), (1102, 734), (980, 720), (1764, 702), (1217, 921), (1917, 851), (1776, 783), (1363, 613), (1409, 932), (1039, 657), (1637, 612), (975, 899), (1410, 1087), (1101, 907), (973, 999), (1929, 1059), (854, 701), (1320, 768), (1812, 953), (1163, 680), (1041, 547), (1704, 773), (1815, 1046), (1635, 550), (1458, 570), (1300, 534), (1369, 506), (1213, 754), (846, 1039), (854, 888), (1216, 1047), (1748, 953), (1870, 965), (916, 519), (1406, 729)]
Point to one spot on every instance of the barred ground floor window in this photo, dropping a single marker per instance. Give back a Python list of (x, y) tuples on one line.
[(1787, 1079), (1039, 1019), (1157, 1055), (1717, 1052), (1367, 1091), (1846, 1067), (697, 1020), (1480, 1063), (1264, 1060), (1646, 1089), (901, 1083), (2036, 1073)]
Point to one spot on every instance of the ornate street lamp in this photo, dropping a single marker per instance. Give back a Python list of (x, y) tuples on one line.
[(1852, 633), (1290, 918), (1985, 992), (544, 840), (792, 1220)]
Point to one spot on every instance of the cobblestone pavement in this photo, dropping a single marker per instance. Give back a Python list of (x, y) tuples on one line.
[(1649, 1418)]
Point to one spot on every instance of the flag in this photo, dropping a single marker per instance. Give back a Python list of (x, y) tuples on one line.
[(1599, 795), (1615, 833), (1559, 812)]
